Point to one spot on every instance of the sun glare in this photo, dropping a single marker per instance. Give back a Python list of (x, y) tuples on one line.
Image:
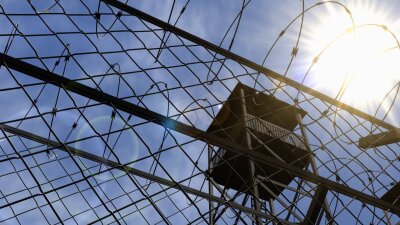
[(365, 60)]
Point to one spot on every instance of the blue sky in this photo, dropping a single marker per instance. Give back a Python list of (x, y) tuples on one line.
[(260, 26)]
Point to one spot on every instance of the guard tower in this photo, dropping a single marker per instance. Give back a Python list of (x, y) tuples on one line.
[(264, 124)]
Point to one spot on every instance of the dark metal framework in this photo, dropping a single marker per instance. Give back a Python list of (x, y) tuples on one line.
[(129, 145)]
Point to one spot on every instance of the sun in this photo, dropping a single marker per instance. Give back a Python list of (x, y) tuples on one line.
[(356, 55)]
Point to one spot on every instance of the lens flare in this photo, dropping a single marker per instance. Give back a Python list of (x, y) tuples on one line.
[(126, 147)]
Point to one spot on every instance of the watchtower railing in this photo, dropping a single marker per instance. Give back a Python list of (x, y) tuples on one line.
[(273, 130), (269, 129)]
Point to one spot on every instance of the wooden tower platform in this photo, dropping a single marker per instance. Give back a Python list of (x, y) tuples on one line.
[(270, 123)]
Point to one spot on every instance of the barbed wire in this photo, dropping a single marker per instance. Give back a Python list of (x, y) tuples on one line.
[(154, 174)]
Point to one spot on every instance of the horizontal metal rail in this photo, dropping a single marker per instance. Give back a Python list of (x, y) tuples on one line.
[(145, 175), (259, 68), (376, 140), (117, 103)]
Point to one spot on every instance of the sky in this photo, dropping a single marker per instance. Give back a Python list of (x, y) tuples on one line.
[(332, 136)]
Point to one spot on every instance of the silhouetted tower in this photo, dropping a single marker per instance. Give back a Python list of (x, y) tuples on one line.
[(264, 124)]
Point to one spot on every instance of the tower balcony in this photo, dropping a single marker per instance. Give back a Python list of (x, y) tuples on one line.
[(265, 127)]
